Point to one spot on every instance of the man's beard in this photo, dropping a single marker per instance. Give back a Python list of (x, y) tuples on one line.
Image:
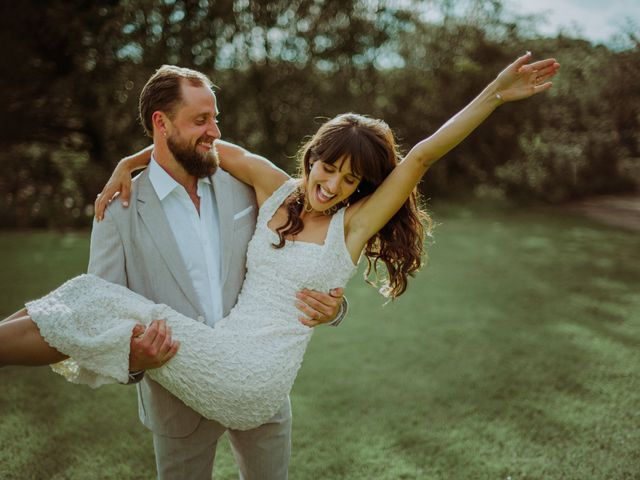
[(198, 164)]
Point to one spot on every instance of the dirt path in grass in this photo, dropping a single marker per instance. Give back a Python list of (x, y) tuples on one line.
[(616, 210)]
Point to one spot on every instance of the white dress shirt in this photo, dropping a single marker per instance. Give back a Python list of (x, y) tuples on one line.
[(197, 236)]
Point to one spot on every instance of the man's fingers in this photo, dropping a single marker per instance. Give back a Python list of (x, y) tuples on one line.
[(307, 310), (162, 333), (324, 306), (175, 346), (167, 355), (319, 300), (308, 323), (138, 330), (166, 343), (337, 293), (151, 333)]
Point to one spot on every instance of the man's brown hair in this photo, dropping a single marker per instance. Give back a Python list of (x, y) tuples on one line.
[(162, 92)]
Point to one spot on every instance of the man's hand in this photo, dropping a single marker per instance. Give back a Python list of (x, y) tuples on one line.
[(151, 347), (318, 307)]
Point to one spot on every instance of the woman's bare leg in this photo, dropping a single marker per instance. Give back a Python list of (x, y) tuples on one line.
[(22, 344)]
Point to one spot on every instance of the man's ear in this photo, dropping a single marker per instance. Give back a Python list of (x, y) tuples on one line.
[(159, 121)]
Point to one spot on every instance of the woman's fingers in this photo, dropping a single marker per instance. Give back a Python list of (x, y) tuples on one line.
[(97, 210), (125, 194), (101, 204), (540, 79), (542, 75), (521, 62), (539, 65), (108, 195), (541, 88), (548, 69)]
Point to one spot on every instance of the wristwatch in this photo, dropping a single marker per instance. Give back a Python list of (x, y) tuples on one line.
[(135, 377), (344, 307)]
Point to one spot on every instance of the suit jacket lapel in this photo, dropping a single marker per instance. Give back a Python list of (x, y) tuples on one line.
[(152, 215), (224, 201)]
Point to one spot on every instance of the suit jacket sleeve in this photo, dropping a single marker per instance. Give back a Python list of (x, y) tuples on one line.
[(106, 260), (106, 256)]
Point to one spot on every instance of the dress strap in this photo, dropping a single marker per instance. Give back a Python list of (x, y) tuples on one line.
[(335, 238), (335, 234), (276, 199)]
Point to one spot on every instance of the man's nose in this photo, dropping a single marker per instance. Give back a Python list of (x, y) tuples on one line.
[(214, 131)]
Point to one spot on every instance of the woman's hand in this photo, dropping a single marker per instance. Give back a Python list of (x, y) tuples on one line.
[(119, 184), (522, 80)]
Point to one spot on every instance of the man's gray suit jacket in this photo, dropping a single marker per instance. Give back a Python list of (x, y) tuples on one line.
[(135, 247)]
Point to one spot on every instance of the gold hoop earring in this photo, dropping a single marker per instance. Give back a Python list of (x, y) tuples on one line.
[(307, 207)]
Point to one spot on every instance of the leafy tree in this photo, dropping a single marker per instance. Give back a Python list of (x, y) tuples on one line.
[(76, 69)]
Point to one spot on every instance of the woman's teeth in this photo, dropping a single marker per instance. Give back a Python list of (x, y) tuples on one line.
[(324, 195)]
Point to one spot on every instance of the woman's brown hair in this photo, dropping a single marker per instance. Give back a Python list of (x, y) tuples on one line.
[(372, 149)]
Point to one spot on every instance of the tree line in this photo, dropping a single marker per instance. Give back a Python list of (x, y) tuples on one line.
[(76, 68)]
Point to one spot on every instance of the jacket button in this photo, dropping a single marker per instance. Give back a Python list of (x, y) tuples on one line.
[(200, 318)]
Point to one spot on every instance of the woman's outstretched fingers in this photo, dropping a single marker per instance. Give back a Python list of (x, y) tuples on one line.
[(541, 64), (521, 61), (540, 79), (543, 87)]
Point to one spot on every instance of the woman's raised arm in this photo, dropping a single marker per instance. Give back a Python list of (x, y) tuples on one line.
[(518, 81)]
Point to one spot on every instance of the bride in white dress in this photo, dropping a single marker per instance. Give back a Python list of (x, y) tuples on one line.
[(355, 198)]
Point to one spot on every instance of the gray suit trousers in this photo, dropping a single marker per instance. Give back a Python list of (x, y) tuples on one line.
[(261, 454)]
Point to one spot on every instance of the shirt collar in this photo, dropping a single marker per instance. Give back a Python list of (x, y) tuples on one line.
[(163, 183)]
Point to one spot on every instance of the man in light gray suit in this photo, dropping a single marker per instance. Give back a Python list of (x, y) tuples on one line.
[(182, 242)]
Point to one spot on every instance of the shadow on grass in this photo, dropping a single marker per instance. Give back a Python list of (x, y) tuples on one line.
[(512, 354), (510, 357)]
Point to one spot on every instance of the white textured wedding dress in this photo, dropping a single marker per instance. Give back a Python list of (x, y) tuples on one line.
[(239, 372)]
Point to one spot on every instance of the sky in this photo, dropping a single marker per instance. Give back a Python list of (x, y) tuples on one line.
[(596, 20)]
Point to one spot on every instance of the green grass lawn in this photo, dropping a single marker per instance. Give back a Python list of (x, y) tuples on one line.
[(513, 355)]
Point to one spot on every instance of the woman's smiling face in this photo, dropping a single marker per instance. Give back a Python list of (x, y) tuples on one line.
[(329, 184)]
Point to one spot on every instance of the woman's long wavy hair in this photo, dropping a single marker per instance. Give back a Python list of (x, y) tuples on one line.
[(372, 148)]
